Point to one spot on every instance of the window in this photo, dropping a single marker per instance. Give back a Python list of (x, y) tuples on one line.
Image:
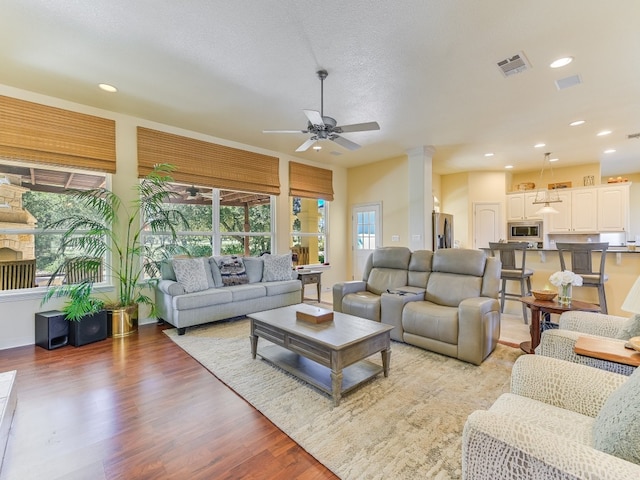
[(308, 230), (221, 222), (32, 196)]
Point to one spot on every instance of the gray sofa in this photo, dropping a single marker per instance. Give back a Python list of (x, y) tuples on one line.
[(444, 301), (217, 301)]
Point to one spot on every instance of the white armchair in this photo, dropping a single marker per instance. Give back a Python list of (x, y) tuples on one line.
[(559, 343), (561, 420)]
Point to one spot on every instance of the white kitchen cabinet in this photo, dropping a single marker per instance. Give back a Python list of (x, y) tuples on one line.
[(613, 208), (577, 212), (520, 206)]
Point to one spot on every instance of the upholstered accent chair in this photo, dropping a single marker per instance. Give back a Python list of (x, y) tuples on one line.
[(561, 420), (559, 343)]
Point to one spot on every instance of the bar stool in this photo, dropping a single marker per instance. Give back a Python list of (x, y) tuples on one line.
[(513, 269), (581, 263)]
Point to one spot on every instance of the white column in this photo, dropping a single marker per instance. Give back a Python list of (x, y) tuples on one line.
[(420, 197)]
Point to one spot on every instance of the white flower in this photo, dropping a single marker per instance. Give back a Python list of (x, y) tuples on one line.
[(565, 277)]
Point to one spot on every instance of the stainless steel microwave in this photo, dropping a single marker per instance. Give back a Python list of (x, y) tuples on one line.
[(525, 231)]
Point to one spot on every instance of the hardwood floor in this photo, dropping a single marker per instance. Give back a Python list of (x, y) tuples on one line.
[(138, 408)]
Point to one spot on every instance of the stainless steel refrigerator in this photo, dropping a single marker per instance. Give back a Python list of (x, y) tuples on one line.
[(442, 230)]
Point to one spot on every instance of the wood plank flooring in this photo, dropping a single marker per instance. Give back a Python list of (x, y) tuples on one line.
[(138, 408)]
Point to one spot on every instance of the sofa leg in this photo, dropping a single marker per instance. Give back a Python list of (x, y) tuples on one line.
[(181, 330)]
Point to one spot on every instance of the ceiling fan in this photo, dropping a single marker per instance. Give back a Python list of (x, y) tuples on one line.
[(193, 193), (327, 128)]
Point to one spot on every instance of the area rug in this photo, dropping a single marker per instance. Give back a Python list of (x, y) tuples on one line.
[(406, 426)]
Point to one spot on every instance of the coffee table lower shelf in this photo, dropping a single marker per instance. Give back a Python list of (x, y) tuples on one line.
[(318, 375)]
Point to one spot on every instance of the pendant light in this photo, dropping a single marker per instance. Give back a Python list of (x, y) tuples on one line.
[(546, 197)]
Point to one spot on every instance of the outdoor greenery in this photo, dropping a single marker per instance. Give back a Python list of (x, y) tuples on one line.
[(104, 223)]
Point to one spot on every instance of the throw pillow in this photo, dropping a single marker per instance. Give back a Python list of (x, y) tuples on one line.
[(616, 429), (277, 267), (232, 271), (254, 267), (630, 328), (190, 273)]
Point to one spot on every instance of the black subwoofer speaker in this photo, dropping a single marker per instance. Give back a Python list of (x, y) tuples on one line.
[(52, 329), (91, 328)]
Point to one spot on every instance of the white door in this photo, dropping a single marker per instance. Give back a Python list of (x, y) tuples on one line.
[(366, 234), (487, 224)]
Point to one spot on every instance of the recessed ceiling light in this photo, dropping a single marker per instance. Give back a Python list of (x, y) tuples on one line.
[(603, 133), (539, 145), (611, 150), (554, 159), (508, 166), (107, 88), (561, 62), (488, 154), (576, 123)]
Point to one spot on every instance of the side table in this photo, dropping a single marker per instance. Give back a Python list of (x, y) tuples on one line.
[(314, 276), (548, 306), (609, 349)]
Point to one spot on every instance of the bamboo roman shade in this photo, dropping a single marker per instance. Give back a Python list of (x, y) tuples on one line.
[(310, 182), (208, 164), (38, 133)]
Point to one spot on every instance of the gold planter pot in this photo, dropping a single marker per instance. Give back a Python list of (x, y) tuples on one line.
[(123, 321)]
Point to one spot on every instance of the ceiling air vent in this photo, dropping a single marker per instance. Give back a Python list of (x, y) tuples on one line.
[(567, 82), (515, 64)]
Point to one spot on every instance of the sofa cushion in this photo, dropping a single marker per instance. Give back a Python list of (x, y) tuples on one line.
[(191, 274), (450, 289), (630, 328), (616, 429), (254, 267), (431, 321), (215, 271), (232, 270), (166, 270), (460, 261), (248, 291), (282, 287), (419, 268), (277, 267), (205, 298), (391, 257), (363, 305), (383, 279)]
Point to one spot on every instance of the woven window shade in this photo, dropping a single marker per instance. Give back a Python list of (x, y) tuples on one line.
[(38, 133), (208, 164), (310, 182)]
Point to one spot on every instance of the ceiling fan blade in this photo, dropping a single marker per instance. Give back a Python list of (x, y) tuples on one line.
[(348, 144), (314, 117), (285, 131), (306, 145), (357, 127)]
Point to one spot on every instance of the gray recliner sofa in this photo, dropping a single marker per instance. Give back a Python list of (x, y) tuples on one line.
[(444, 301)]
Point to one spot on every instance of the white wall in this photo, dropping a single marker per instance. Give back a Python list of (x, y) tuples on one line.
[(17, 325)]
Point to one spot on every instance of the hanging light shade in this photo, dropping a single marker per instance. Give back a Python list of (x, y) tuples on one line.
[(546, 197)]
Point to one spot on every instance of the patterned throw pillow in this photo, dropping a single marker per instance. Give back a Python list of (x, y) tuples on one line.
[(277, 267), (190, 273), (630, 328), (232, 271), (616, 429)]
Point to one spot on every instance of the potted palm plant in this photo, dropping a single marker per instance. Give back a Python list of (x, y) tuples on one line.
[(115, 227)]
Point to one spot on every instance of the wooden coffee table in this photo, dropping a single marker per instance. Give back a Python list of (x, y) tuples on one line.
[(330, 356)]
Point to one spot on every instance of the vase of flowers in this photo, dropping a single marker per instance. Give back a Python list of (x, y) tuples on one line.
[(565, 280)]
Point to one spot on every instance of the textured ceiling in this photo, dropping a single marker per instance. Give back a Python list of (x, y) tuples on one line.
[(424, 70)]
